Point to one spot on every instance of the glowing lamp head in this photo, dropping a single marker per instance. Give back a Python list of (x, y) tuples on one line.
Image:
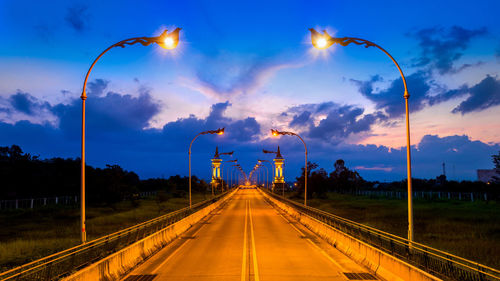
[(220, 131), (274, 132), (321, 41), (169, 40)]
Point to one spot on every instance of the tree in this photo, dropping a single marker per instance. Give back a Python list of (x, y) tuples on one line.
[(343, 179), (496, 160), (317, 181)]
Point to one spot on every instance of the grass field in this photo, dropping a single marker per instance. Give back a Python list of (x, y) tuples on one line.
[(27, 235), (467, 229)]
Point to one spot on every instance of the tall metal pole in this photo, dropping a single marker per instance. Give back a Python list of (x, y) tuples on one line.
[(306, 174), (145, 41), (189, 152), (82, 184), (408, 164), (344, 41)]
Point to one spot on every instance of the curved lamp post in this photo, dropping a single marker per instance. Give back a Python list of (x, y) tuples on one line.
[(323, 41), (212, 132), (166, 41), (276, 133)]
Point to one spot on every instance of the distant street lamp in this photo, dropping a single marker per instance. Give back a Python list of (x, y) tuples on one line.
[(166, 41), (217, 132), (227, 172), (323, 41), (277, 133), (266, 183), (272, 168), (231, 183)]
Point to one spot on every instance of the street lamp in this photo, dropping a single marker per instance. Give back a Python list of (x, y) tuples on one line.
[(323, 41), (266, 183), (231, 183), (227, 172), (278, 133), (272, 168), (212, 132), (166, 41)]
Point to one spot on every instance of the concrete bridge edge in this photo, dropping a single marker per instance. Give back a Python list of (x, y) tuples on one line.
[(117, 265), (382, 264)]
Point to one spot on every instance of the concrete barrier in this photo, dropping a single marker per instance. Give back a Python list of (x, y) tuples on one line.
[(381, 263), (118, 264)]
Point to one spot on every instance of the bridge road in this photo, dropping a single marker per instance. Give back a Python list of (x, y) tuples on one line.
[(247, 239)]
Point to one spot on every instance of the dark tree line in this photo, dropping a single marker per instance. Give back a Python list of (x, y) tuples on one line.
[(23, 175), (319, 182), (344, 180)]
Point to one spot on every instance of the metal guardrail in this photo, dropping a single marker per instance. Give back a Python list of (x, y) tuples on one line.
[(439, 263), (60, 264)]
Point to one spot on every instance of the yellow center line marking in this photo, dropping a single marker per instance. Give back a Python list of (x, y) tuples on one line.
[(244, 261), (255, 264)]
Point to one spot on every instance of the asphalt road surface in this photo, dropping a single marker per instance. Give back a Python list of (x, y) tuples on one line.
[(246, 239)]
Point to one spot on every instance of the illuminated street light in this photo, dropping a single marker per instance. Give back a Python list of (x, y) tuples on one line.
[(165, 40), (323, 41), (272, 168), (227, 172), (277, 133), (231, 174), (218, 132), (266, 183)]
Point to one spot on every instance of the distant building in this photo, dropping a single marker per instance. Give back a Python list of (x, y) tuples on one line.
[(488, 175)]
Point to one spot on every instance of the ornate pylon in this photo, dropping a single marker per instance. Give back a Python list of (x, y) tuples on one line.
[(216, 162), (279, 177)]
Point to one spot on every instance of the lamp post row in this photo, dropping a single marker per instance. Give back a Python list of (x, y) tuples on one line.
[(321, 41)]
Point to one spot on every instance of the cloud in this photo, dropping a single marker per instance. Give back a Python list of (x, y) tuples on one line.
[(441, 47), (117, 133), (22, 106), (112, 112), (97, 87), (303, 119), (225, 76), (375, 168), (329, 121), (391, 100), (483, 95), (23, 102), (77, 17)]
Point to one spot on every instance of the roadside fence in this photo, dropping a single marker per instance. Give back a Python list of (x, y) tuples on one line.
[(439, 263)]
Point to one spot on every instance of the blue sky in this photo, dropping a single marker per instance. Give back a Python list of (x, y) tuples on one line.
[(249, 66)]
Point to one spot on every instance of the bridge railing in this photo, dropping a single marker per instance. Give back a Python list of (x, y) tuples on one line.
[(442, 264), (60, 264)]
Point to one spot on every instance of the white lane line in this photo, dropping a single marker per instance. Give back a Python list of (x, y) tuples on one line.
[(255, 264), (314, 245), (175, 252), (244, 260)]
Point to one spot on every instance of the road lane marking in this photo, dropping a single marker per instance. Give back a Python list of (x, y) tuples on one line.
[(313, 244), (255, 264), (176, 251), (244, 261)]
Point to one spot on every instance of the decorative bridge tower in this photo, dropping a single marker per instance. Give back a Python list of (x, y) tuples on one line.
[(279, 177), (217, 165), (216, 162)]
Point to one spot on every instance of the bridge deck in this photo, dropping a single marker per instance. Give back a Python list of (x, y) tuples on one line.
[(247, 240)]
